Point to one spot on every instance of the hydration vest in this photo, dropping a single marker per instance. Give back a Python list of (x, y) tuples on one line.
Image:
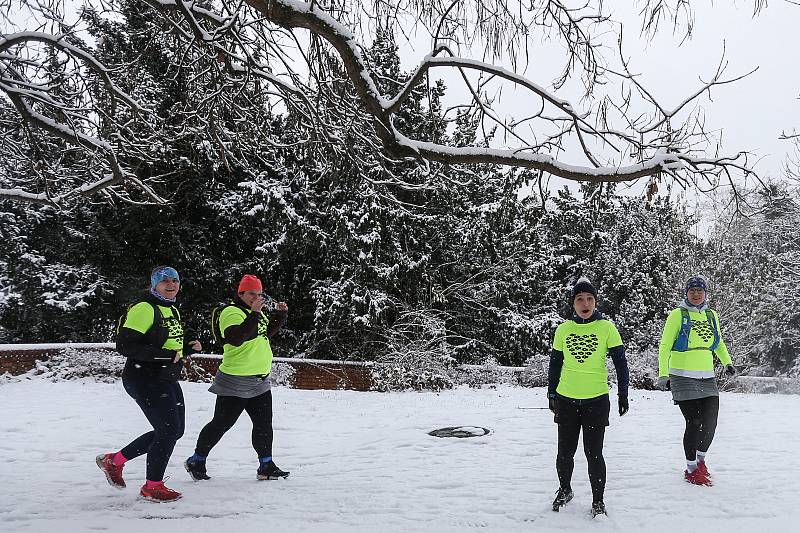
[(682, 341)]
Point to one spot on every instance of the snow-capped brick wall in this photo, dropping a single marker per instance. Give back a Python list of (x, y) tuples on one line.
[(16, 363), (318, 374), (100, 361), (311, 374), (17, 359)]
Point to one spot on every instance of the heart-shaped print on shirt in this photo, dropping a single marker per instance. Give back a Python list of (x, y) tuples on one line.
[(703, 330), (581, 346)]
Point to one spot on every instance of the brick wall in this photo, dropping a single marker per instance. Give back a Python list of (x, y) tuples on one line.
[(308, 374), (16, 363), (319, 375), (313, 374)]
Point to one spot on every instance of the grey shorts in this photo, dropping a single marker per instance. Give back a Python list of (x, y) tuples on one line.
[(684, 388), (239, 386)]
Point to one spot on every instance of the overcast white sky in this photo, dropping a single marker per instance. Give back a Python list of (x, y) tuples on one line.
[(751, 113)]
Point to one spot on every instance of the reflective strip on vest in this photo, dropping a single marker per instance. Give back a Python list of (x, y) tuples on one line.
[(695, 374)]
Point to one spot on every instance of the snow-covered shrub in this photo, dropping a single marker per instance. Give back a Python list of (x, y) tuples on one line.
[(410, 374), (417, 355), (282, 374), (762, 385), (7, 377), (71, 363), (643, 367), (534, 373), (489, 373)]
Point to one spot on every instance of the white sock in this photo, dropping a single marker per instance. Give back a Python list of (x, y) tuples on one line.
[(691, 466), (701, 456)]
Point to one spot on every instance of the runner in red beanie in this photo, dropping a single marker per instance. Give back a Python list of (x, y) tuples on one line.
[(249, 282), (242, 382)]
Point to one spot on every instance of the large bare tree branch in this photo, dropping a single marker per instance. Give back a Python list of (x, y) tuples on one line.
[(293, 14), (26, 95), (226, 45)]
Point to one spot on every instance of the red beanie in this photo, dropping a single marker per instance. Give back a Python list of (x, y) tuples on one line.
[(249, 282)]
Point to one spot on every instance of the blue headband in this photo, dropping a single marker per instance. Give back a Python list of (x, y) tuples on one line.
[(161, 274)]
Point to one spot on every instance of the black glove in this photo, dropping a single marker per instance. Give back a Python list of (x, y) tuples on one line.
[(623, 405), (731, 370), (551, 403)]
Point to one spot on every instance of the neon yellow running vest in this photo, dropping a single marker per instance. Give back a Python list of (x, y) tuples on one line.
[(698, 360), (141, 316)]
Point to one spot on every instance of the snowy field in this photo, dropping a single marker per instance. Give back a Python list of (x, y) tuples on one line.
[(363, 462)]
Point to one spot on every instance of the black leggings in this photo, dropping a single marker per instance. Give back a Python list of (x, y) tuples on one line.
[(162, 404), (592, 417), (227, 412), (701, 423)]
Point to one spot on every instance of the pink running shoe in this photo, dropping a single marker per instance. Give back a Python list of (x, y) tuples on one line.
[(105, 462), (159, 493), (697, 478), (701, 466)]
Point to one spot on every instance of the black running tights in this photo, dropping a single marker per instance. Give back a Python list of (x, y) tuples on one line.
[(227, 412), (568, 435), (162, 404), (701, 423)]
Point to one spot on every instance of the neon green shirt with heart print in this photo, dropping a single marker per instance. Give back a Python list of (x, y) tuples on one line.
[(584, 374)]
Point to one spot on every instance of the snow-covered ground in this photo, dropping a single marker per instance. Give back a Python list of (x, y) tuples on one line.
[(364, 462)]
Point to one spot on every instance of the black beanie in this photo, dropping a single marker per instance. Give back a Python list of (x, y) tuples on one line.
[(583, 285)]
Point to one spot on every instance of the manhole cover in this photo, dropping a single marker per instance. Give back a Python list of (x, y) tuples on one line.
[(460, 431)]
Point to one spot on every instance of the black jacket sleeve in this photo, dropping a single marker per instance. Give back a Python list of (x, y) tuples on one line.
[(276, 322), (554, 371), (617, 354), (238, 334), (134, 345)]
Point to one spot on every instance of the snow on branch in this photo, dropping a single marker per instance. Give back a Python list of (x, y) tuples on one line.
[(232, 54), (54, 98), (59, 41), (652, 157), (244, 57)]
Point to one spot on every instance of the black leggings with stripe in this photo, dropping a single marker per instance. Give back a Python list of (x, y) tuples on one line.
[(701, 423)]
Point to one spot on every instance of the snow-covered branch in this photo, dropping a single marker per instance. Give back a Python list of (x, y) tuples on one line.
[(648, 157), (55, 97), (244, 60)]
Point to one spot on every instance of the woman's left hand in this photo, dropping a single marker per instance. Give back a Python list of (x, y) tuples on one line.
[(552, 404), (282, 307), (196, 346), (623, 405)]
